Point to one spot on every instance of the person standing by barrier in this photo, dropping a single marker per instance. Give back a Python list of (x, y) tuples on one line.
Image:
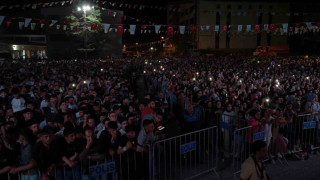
[(27, 164), (253, 168), (227, 117)]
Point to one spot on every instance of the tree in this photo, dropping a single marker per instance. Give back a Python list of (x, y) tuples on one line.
[(87, 24)]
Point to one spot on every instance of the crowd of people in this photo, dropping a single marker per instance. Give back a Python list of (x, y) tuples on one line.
[(66, 113)]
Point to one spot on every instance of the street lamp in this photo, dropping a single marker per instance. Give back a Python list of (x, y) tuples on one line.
[(85, 8)]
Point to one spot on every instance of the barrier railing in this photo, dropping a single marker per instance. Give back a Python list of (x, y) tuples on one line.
[(192, 154), (185, 156)]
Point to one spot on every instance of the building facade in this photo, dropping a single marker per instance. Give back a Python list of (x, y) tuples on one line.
[(208, 15)]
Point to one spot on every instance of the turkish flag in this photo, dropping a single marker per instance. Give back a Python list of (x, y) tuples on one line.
[(93, 26), (257, 27), (193, 28), (225, 28), (272, 28), (170, 30), (120, 29)]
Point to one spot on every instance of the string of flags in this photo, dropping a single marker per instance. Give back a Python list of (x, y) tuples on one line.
[(281, 28), (69, 2)]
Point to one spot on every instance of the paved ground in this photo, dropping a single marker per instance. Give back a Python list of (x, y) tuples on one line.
[(297, 170)]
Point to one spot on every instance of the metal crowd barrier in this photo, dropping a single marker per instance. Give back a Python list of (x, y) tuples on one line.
[(185, 156)]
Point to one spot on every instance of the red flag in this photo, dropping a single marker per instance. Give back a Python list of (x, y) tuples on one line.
[(225, 28), (109, 12), (272, 28), (41, 21), (170, 30), (296, 24), (66, 22), (193, 28), (257, 27), (8, 23), (144, 26), (78, 28), (93, 26), (120, 29)]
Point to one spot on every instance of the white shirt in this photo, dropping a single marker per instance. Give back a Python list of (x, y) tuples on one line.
[(18, 104)]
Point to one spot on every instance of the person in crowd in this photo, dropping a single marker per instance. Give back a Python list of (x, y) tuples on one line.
[(253, 168)]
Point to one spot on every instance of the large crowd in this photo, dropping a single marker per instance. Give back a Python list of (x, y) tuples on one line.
[(63, 113)]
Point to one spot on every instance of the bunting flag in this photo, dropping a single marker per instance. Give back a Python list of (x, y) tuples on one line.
[(120, 29), (21, 25), (64, 27), (94, 26), (257, 27), (58, 26), (248, 27), (239, 28), (157, 28), (106, 28), (272, 28), (266, 27), (285, 28), (71, 28), (170, 30), (207, 28), (33, 25), (132, 29), (309, 25), (216, 28), (27, 22), (225, 28), (193, 28), (1, 19), (182, 29), (202, 28), (41, 21), (42, 25), (53, 22)]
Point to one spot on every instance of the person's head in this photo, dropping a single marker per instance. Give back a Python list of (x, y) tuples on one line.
[(91, 122), (190, 109), (63, 106), (27, 114), (69, 134), (259, 150), (46, 135), (158, 117), (152, 104), (113, 116), (130, 131), (112, 128), (30, 105), (229, 107), (88, 132), (148, 125), (123, 123), (16, 92), (25, 136), (131, 119), (33, 126)]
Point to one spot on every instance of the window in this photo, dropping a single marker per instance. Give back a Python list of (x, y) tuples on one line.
[(239, 7), (218, 6)]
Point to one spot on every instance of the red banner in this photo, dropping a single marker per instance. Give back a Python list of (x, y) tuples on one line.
[(193, 28), (257, 27), (272, 28), (93, 26)]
